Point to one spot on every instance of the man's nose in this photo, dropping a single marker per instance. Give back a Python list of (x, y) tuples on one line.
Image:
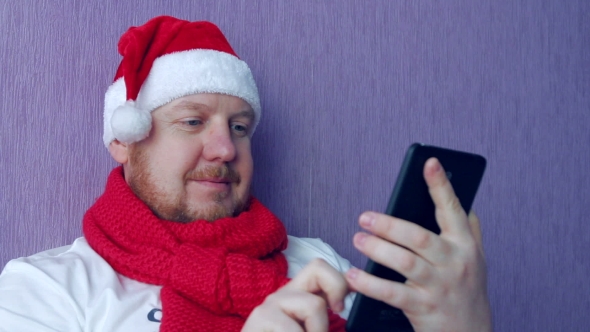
[(219, 144)]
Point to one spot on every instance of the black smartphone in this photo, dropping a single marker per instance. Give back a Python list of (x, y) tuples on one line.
[(410, 200)]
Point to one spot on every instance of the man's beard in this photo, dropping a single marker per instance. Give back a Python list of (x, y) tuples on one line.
[(175, 207)]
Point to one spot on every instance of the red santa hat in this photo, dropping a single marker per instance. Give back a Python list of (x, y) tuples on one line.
[(165, 59)]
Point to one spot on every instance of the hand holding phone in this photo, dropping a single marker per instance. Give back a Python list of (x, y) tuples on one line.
[(445, 271)]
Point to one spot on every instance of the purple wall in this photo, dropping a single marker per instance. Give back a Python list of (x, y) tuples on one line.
[(346, 87)]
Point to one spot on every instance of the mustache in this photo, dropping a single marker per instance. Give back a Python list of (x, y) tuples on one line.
[(217, 172)]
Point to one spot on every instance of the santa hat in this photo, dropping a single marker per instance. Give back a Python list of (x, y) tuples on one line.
[(165, 59)]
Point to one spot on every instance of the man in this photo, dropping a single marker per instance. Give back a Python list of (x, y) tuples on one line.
[(177, 243)]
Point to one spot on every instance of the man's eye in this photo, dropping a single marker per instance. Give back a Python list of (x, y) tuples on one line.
[(193, 122), (239, 128)]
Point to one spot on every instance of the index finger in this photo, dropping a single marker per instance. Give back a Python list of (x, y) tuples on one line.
[(318, 277), (450, 215)]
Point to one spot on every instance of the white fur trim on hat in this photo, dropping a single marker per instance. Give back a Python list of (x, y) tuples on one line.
[(177, 75)]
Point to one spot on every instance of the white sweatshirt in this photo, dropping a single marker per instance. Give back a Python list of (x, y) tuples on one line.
[(72, 288)]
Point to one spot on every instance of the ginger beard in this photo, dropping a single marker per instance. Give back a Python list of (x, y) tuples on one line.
[(175, 206)]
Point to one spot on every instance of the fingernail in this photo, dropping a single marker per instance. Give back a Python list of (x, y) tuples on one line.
[(367, 219), (338, 306), (436, 167), (352, 273), (360, 239)]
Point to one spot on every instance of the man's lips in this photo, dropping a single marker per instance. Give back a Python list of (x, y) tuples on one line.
[(216, 180), (218, 183)]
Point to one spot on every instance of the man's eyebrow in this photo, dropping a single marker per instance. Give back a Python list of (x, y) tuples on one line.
[(188, 105), (192, 106), (248, 113)]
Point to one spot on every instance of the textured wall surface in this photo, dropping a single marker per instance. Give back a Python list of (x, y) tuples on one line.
[(346, 86)]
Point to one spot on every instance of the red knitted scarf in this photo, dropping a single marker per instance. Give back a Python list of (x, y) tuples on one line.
[(213, 273)]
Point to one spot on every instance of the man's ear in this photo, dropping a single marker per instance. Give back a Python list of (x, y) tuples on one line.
[(119, 151)]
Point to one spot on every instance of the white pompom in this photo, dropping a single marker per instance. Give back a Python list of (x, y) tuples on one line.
[(131, 124)]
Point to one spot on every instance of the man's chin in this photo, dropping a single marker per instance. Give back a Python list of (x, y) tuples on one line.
[(213, 211)]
